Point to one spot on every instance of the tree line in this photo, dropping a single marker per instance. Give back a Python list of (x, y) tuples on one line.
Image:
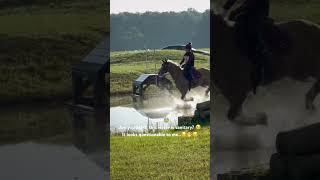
[(154, 30)]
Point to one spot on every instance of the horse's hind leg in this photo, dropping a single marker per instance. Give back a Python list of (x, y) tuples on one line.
[(312, 94), (235, 109)]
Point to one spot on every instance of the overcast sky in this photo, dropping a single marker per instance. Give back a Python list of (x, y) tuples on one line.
[(117, 6)]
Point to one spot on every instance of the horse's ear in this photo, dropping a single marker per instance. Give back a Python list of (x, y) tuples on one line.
[(162, 60), (166, 60)]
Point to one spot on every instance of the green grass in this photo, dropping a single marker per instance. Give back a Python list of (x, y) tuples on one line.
[(283, 10), (27, 123), (54, 23), (160, 157), (39, 45)]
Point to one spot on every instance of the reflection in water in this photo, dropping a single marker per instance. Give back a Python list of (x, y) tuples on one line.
[(46, 161), (90, 130), (124, 119), (46, 141)]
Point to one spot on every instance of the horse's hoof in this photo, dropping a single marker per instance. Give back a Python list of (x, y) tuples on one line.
[(257, 119)]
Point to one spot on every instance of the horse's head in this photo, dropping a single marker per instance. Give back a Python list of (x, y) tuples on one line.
[(164, 68)]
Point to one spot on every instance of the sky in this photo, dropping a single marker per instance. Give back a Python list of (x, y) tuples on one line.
[(117, 6)]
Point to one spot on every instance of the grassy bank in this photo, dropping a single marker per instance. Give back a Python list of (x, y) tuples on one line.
[(160, 157), (40, 43), (35, 122), (283, 10)]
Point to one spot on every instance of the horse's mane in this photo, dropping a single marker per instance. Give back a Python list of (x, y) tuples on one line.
[(172, 62)]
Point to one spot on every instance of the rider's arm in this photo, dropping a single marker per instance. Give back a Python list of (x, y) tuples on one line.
[(182, 61), (229, 4)]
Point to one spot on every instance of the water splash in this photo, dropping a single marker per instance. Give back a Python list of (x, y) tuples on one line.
[(284, 104), (162, 111)]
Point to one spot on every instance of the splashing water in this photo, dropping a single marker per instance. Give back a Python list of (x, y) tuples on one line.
[(283, 102), (198, 96), (162, 111)]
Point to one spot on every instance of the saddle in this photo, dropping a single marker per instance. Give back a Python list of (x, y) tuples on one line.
[(196, 74), (277, 41)]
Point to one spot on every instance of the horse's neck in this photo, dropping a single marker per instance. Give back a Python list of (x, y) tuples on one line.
[(223, 32), (175, 72), (223, 39), (228, 61)]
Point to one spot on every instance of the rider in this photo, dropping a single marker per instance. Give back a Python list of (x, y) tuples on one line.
[(249, 19), (187, 63)]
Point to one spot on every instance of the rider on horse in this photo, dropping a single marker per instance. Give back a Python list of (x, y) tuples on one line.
[(187, 63), (250, 19)]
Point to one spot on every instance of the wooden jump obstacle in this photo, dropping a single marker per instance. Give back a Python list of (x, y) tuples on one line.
[(90, 109), (144, 81), (298, 154), (91, 71)]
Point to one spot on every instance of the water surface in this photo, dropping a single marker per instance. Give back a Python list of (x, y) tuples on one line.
[(44, 141)]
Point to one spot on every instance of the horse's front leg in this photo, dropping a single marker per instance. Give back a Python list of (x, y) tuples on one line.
[(311, 95), (207, 92), (236, 115), (183, 96)]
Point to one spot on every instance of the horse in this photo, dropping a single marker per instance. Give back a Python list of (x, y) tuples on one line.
[(181, 82), (232, 69)]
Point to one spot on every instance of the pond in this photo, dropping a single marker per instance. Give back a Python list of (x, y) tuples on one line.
[(155, 113), (41, 141)]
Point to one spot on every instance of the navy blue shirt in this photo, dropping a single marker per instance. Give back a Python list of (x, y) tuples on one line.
[(189, 57)]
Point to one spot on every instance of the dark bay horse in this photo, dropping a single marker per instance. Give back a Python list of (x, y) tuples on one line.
[(232, 70), (181, 82)]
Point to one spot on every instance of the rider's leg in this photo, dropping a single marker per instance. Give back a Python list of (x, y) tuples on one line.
[(186, 73), (191, 72), (258, 54), (247, 40)]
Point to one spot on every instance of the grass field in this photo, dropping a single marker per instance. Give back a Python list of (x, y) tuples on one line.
[(39, 45), (283, 10), (161, 157)]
